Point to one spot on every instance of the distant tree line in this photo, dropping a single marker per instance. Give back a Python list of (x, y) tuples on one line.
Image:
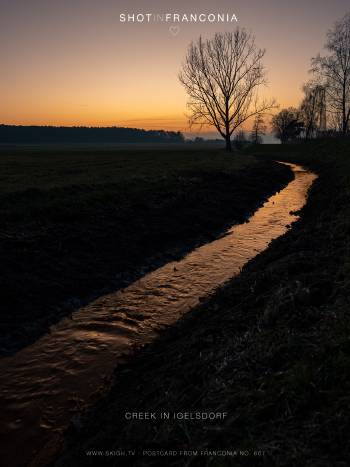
[(13, 134)]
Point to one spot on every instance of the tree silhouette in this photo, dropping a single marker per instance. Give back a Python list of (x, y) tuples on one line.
[(333, 71), (258, 130), (313, 109), (287, 125), (222, 76)]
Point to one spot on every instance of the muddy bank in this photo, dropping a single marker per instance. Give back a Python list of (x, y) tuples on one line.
[(62, 246), (271, 349)]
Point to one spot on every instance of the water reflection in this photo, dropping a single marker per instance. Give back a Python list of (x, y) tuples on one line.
[(46, 383)]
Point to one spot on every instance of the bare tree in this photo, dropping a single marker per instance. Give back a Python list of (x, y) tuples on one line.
[(287, 124), (222, 76), (258, 130), (313, 109), (334, 70)]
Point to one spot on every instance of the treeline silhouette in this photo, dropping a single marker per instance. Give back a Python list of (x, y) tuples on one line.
[(17, 134)]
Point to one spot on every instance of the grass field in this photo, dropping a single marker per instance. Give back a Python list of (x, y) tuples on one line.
[(77, 223), (271, 349)]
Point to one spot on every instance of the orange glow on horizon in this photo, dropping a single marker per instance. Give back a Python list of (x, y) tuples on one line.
[(79, 67)]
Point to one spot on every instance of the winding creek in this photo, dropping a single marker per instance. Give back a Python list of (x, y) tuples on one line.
[(44, 385)]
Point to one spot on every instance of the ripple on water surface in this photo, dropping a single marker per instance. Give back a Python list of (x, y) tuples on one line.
[(45, 384)]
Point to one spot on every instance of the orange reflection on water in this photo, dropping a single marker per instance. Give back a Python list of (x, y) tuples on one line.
[(46, 383)]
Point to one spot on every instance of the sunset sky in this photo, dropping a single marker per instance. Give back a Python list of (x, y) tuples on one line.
[(72, 62)]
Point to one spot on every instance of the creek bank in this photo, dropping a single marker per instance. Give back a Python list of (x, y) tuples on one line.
[(63, 247), (271, 348)]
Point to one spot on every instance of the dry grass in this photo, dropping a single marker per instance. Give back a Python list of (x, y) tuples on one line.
[(271, 348)]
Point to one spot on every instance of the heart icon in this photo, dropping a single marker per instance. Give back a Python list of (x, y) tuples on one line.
[(174, 30)]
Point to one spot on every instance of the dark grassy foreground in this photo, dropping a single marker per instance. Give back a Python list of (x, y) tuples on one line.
[(75, 224), (272, 349)]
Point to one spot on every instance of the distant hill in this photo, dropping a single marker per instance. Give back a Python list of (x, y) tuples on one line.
[(13, 134)]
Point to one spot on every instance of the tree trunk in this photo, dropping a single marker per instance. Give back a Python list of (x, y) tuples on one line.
[(228, 144), (344, 125)]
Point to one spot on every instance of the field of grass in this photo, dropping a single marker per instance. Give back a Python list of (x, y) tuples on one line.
[(271, 348), (77, 223)]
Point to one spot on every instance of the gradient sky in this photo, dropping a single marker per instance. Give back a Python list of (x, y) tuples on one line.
[(71, 62)]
